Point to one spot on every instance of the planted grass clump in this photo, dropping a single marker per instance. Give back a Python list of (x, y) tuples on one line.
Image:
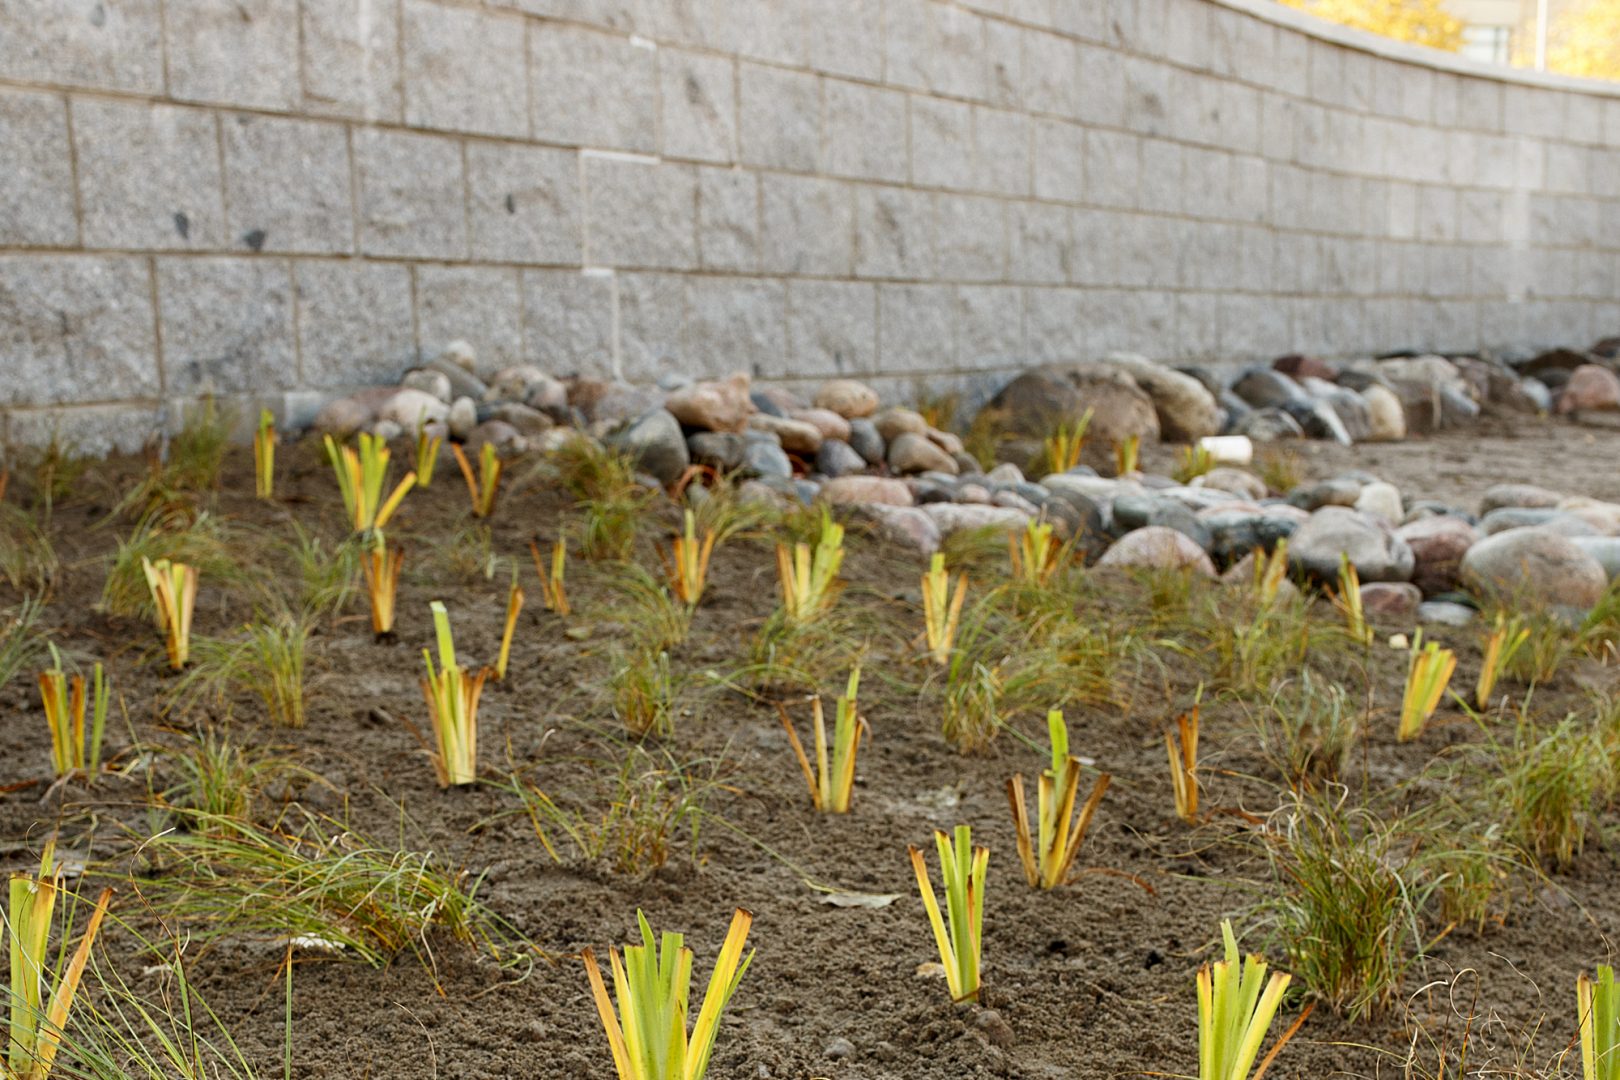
[(314, 883), (1348, 900), (959, 933), (1550, 785), (267, 661), (630, 809)]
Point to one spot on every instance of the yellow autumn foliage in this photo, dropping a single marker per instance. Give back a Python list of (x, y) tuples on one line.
[(1585, 40)]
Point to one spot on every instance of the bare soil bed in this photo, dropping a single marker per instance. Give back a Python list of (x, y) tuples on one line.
[(1092, 980)]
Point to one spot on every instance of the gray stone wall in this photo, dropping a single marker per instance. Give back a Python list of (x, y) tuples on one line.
[(274, 200)]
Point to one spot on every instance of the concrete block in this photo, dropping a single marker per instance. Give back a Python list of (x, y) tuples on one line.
[(1004, 64), (227, 326), (970, 233), (1479, 104), (1059, 160), (894, 234), (929, 46), (652, 326), (737, 324), (86, 430), (1055, 325), (568, 321), (480, 305), (287, 185), (594, 89), (1482, 217), (1611, 123), (989, 326), (148, 176), (1146, 104), (866, 131), (76, 328), (464, 70), (524, 204), (1039, 243), (1051, 74), (1197, 326), (412, 198), (1102, 86), (808, 225), (699, 99), (1160, 186), (728, 219), (832, 327), (1437, 213), (779, 118), (1254, 327), (101, 46), (351, 59), (1002, 152), (772, 32), (355, 326), (640, 215), (1583, 119), (233, 52), (1532, 110), (1113, 164), (941, 143), (916, 325), (36, 183), (844, 37)]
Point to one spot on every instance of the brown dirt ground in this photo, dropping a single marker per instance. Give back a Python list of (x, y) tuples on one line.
[(1093, 980)]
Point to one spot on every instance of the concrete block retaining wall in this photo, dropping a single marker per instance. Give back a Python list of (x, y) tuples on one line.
[(275, 200)]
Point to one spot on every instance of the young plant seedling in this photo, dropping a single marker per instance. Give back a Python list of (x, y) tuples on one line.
[(1236, 1005), (1347, 599), (380, 564), (648, 1036), (1598, 1006), (174, 595), (942, 610), (1063, 446), (1127, 453), (452, 697), (687, 562), (809, 579), (39, 1012), (427, 454), (73, 750), (1270, 571), (264, 455), (1050, 854), (514, 608), (484, 487), (961, 870), (360, 477), (552, 589), (1427, 676), (1034, 553), (1194, 462), (1504, 643), (1183, 753), (831, 780)]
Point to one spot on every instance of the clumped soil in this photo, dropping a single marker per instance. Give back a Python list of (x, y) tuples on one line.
[(1092, 980)]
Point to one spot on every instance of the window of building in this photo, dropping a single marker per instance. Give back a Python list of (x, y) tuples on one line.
[(1491, 44)]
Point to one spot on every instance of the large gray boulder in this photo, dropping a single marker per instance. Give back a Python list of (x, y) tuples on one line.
[(655, 442), (1372, 546), (1536, 568), (1187, 411), (1040, 398)]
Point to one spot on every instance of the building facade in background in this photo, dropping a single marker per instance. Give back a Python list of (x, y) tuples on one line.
[(1503, 31)]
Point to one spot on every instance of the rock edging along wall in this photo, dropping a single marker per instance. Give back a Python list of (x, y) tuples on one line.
[(277, 200)]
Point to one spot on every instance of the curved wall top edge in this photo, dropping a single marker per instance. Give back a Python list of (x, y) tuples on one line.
[(1422, 56)]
